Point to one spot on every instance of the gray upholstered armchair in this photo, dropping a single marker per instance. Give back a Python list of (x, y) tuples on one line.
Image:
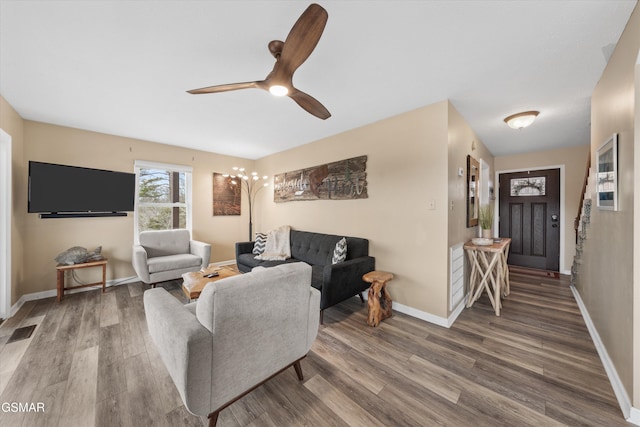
[(241, 332), (167, 254)]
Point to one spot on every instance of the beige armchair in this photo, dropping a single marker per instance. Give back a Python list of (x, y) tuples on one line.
[(168, 254), (242, 331)]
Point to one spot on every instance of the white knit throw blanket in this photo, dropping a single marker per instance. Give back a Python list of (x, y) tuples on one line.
[(277, 246)]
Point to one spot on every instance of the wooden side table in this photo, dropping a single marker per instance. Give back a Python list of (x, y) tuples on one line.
[(379, 300), (489, 271), (61, 268)]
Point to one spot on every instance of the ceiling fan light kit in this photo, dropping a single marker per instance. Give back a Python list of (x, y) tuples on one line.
[(278, 90), (289, 55), (521, 120)]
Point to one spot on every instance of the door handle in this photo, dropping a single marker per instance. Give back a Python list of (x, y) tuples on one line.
[(554, 218)]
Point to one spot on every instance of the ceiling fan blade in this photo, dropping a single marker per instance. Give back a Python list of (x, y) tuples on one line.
[(310, 104), (303, 38), (226, 87)]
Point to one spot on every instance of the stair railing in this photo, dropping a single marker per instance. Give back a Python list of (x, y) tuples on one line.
[(576, 222)]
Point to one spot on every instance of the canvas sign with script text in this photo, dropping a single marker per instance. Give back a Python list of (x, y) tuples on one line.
[(341, 180)]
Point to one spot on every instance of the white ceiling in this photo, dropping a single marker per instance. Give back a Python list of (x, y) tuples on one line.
[(122, 67)]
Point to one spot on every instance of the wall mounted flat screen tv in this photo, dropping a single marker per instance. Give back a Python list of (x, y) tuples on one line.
[(62, 189)]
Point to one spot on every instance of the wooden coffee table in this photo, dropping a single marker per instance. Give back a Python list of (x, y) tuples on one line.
[(195, 281)]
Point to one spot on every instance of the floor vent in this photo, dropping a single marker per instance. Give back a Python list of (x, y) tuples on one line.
[(21, 334)]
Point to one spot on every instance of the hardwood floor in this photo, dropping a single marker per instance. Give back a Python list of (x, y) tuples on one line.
[(91, 362)]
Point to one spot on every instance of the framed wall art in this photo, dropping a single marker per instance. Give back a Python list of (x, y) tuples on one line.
[(607, 174), (341, 180), (473, 202), (226, 196)]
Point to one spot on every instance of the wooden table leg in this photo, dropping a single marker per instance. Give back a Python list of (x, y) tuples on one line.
[(60, 285), (104, 276), (484, 269), (472, 277), (505, 271)]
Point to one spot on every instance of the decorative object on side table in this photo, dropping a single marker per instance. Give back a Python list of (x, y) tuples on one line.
[(252, 185), (485, 220), (379, 300), (78, 255), (482, 241)]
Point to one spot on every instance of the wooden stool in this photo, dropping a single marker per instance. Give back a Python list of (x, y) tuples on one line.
[(379, 299)]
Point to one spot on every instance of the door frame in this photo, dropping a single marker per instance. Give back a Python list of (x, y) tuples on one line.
[(496, 220), (6, 195)]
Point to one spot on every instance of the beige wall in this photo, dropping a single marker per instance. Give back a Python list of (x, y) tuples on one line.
[(574, 160), (406, 169), (462, 142), (13, 124), (45, 238), (605, 281)]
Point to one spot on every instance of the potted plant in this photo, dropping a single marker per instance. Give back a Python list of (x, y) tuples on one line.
[(485, 220)]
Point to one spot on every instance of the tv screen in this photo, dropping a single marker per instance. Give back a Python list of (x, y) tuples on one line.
[(62, 188)]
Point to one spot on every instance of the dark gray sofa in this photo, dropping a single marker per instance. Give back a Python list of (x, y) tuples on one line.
[(336, 282)]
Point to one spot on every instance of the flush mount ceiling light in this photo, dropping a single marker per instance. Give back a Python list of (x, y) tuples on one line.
[(521, 120)]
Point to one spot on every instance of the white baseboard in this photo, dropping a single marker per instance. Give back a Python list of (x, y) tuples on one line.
[(630, 413), (634, 417), (53, 292), (427, 317)]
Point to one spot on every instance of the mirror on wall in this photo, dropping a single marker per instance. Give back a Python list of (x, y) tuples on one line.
[(473, 201)]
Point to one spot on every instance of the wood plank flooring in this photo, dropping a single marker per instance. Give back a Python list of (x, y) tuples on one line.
[(92, 363)]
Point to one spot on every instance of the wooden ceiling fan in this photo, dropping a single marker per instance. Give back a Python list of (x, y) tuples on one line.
[(290, 54)]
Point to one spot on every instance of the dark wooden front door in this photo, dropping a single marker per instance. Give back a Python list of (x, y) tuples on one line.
[(530, 215)]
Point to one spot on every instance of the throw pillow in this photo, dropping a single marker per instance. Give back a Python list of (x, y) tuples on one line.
[(340, 251), (259, 244)]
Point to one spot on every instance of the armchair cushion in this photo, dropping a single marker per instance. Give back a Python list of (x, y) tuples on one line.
[(165, 242), (173, 262)]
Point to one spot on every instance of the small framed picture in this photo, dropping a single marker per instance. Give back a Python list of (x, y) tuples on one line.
[(607, 174)]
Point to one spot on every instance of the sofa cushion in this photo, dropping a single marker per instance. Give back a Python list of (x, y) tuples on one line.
[(173, 262), (259, 244), (340, 251), (250, 261), (165, 242), (313, 248)]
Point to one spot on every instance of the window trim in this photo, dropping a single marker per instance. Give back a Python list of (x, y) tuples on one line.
[(144, 164)]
